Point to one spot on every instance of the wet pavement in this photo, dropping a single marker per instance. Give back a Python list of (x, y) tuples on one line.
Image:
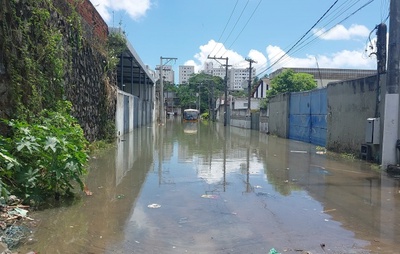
[(205, 188)]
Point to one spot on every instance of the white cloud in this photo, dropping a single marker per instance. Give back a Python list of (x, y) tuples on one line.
[(216, 49), (258, 57), (339, 32), (134, 8), (345, 59)]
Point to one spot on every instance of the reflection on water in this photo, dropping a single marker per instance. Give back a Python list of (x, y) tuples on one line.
[(190, 127), (223, 190)]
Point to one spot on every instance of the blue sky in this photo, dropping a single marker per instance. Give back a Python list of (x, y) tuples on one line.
[(263, 30)]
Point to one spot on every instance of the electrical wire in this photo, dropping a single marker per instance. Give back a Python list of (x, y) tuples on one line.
[(337, 13), (234, 26), (285, 55), (248, 20), (226, 25)]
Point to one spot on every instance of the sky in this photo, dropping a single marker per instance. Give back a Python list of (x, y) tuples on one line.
[(273, 33)]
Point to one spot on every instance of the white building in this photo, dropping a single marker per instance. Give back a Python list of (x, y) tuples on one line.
[(238, 78), (185, 72), (261, 90), (168, 73)]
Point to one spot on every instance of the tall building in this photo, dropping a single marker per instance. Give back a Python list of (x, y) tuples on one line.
[(238, 78), (168, 73), (185, 72)]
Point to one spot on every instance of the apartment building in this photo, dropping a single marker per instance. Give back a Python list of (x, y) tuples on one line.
[(168, 73), (238, 78), (185, 72)]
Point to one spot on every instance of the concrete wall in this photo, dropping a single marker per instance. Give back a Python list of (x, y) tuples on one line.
[(131, 112), (278, 116), (350, 103), (264, 118), (241, 103), (240, 118)]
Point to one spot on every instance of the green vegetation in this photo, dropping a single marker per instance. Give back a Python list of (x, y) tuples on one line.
[(43, 150), (115, 46), (209, 87), (289, 81), (43, 156)]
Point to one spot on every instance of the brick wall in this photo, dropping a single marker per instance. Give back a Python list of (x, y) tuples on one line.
[(94, 23)]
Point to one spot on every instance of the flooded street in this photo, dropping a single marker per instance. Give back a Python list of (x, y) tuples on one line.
[(205, 188)]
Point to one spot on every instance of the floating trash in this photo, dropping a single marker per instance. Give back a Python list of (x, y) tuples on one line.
[(183, 220), (209, 196), (273, 251), (295, 151), (14, 235), (154, 206)]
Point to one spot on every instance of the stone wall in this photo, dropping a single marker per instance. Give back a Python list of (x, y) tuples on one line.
[(87, 83), (91, 91)]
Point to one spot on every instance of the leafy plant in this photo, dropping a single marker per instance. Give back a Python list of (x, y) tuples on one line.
[(46, 156)]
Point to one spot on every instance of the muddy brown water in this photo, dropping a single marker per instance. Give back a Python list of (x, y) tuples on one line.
[(205, 188)]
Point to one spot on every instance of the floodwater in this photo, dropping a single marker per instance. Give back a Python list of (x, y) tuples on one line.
[(205, 188)]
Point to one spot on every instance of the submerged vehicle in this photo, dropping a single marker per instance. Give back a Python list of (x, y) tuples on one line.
[(190, 115)]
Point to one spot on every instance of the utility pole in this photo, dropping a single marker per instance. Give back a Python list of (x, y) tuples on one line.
[(391, 107), (162, 113), (226, 85), (199, 95), (249, 86)]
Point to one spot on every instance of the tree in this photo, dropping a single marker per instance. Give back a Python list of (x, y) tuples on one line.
[(208, 86), (289, 81)]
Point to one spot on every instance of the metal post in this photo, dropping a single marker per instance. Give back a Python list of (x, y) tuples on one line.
[(162, 110), (162, 113), (249, 85), (391, 107), (226, 93), (226, 86)]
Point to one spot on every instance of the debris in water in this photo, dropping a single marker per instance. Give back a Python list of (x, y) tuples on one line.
[(15, 235), (120, 196), (209, 196), (295, 151), (273, 251), (154, 206), (87, 191)]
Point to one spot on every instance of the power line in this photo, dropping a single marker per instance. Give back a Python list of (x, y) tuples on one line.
[(248, 20), (226, 25), (304, 34), (234, 26), (318, 36)]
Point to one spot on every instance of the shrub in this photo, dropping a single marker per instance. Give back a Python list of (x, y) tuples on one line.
[(44, 156)]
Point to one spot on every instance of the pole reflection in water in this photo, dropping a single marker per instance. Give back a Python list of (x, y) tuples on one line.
[(224, 190)]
